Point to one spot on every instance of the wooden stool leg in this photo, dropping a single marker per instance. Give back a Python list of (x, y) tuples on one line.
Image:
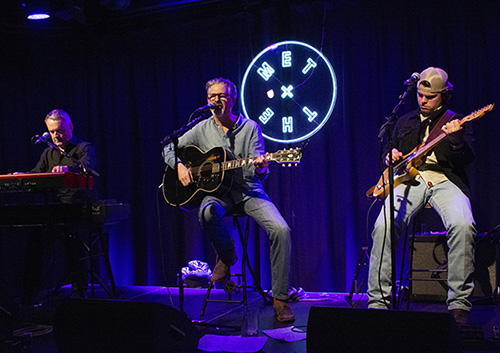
[(210, 286)]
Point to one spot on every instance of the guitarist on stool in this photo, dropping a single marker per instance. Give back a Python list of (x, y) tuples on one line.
[(241, 138), (441, 182)]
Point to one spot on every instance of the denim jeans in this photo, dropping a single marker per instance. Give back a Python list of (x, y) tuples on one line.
[(454, 208), (265, 213)]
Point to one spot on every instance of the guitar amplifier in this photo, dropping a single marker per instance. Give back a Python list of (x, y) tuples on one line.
[(430, 267)]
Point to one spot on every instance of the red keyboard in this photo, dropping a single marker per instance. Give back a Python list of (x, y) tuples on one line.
[(30, 181)]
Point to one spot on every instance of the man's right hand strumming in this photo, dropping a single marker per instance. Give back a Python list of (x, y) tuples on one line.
[(396, 156), (184, 174)]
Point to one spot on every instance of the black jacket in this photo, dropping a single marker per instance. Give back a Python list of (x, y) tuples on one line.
[(453, 159), (76, 148)]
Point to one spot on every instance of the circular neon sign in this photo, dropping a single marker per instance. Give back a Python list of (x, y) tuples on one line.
[(290, 88)]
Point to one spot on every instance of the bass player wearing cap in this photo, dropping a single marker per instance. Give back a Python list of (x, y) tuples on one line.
[(441, 182)]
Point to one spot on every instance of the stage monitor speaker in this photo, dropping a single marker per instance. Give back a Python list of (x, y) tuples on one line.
[(370, 330), (430, 252), (100, 326)]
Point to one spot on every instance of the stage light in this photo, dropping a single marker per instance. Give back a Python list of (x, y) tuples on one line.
[(37, 10), (38, 16)]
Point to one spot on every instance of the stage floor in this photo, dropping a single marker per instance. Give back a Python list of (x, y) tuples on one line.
[(226, 318)]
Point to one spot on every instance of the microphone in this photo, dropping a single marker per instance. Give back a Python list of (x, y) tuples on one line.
[(39, 139), (413, 79), (209, 106)]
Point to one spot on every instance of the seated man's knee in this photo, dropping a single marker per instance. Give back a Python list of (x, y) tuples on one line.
[(210, 212), (462, 226), (281, 232)]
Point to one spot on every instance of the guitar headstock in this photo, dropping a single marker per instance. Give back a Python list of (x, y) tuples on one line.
[(479, 113), (290, 156)]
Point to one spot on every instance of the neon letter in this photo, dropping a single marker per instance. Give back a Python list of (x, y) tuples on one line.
[(310, 115), (310, 64), (286, 59), (287, 124), (287, 91), (266, 115), (265, 71)]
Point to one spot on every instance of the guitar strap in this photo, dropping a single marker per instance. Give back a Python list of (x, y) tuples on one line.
[(436, 131)]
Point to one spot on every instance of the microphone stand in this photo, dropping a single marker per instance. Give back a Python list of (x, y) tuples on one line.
[(386, 129), (173, 139)]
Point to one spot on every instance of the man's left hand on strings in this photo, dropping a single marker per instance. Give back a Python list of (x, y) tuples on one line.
[(261, 164), (454, 131)]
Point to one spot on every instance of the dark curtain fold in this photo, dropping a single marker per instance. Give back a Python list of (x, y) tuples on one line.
[(127, 86)]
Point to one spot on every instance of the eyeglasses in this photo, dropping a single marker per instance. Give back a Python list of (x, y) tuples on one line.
[(222, 96)]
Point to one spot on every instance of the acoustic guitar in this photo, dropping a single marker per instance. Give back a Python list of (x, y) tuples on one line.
[(406, 169), (209, 173)]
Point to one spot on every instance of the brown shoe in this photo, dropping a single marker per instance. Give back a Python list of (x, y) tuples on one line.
[(221, 269), (220, 273), (460, 316), (282, 311)]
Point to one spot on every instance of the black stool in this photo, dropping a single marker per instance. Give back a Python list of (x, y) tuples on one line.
[(230, 286)]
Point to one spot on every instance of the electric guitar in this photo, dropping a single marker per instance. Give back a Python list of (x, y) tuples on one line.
[(209, 173), (406, 169)]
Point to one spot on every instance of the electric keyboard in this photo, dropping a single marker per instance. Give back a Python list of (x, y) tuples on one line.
[(37, 199), (40, 181)]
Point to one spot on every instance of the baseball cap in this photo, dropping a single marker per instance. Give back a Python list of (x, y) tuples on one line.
[(437, 79)]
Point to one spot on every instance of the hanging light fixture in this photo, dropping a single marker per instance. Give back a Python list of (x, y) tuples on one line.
[(37, 9)]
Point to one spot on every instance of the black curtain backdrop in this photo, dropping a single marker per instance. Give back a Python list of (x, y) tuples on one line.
[(128, 83)]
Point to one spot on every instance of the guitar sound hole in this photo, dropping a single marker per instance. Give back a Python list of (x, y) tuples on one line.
[(206, 170)]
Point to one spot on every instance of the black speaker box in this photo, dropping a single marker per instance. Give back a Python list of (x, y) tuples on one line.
[(100, 326), (371, 330), (430, 253)]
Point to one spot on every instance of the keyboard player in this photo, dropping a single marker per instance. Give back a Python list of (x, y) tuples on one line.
[(79, 156)]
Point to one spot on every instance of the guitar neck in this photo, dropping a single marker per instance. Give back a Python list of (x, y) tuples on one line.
[(238, 163), (431, 144), (214, 165), (428, 146)]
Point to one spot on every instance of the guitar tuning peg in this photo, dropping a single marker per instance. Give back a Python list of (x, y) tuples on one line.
[(283, 165), (289, 164)]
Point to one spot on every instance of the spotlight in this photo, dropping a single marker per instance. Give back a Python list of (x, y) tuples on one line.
[(38, 16), (37, 9)]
